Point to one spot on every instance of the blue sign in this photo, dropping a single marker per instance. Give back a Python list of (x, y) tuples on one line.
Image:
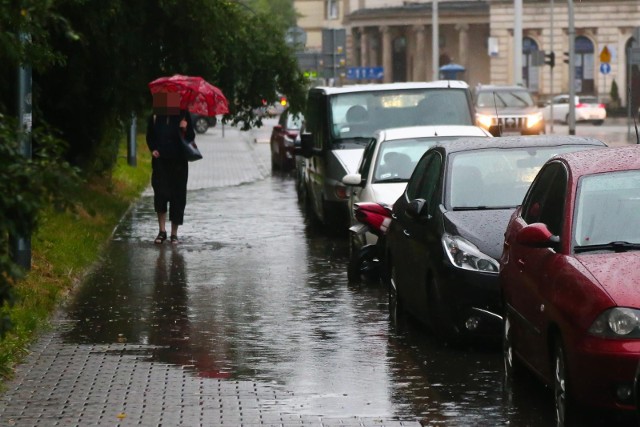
[(365, 73), (605, 68)]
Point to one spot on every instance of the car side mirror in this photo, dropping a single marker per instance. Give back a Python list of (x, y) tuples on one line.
[(306, 142), (418, 209), (537, 235), (353, 179)]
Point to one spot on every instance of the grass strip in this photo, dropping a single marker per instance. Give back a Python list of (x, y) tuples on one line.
[(64, 248)]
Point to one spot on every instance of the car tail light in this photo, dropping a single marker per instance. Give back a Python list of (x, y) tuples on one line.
[(600, 105), (581, 105)]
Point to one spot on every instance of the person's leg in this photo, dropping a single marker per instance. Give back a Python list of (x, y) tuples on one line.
[(178, 200), (174, 233), (160, 186)]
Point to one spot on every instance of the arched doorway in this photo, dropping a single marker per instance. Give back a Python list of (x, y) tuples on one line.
[(530, 72), (633, 76), (399, 60), (585, 79)]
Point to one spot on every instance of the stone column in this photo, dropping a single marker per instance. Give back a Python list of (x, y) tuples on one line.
[(463, 44), (420, 62), (387, 51), (364, 47)]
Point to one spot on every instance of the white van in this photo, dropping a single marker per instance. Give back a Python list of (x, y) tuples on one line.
[(340, 121)]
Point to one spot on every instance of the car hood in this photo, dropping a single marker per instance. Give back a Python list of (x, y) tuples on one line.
[(349, 159), (483, 228), (617, 273), (388, 192)]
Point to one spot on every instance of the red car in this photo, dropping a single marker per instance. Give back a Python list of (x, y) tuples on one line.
[(570, 279), (283, 138)]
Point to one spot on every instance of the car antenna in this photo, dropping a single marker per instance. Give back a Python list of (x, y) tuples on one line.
[(635, 120), (495, 105)]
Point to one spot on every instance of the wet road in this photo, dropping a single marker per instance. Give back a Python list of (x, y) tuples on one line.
[(255, 293)]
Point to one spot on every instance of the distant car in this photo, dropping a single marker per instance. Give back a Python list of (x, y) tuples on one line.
[(282, 141), (388, 161), (570, 279), (588, 109), (202, 123), (446, 235), (512, 107)]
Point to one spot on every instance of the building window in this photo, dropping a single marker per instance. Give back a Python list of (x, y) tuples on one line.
[(332, 9)]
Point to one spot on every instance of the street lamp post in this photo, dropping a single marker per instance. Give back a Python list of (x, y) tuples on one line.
[(435, 42), (517, 42), (572, 70)]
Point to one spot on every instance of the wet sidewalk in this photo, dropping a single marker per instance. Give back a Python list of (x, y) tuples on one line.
[(124, 379)]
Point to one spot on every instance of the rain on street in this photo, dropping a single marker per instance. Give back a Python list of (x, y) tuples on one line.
[(256, 292)]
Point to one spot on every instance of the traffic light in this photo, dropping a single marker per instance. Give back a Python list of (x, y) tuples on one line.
[(566, 57), (550, 59)]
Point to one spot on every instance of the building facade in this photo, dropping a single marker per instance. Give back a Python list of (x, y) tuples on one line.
[(479, 35)]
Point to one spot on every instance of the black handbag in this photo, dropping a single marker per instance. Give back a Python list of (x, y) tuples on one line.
[(190, 149)]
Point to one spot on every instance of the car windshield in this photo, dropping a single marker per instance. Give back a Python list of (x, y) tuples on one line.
[(588, 100), (396, 159), (503, 98), (607, 209), (360, 114), (496, 178)]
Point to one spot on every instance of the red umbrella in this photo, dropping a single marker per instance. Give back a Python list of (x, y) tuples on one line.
[(196, 94)]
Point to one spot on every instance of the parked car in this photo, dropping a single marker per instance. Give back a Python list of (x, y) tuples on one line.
[(340, 122), (387, 164), (202, 123), (282, 141), (570, 279), (446, 235), (510, 107), (588, 109)]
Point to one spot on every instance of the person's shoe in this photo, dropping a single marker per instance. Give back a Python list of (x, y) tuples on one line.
[(174, 239), (162, 236)]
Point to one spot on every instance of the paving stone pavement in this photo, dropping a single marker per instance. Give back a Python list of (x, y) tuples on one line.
[(117, 384)]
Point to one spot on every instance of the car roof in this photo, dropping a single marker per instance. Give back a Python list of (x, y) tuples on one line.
[(431, 131), (516, 141), (609, 159), (438, 84), (488, 88)]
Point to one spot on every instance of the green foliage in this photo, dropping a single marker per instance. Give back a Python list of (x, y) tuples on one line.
[(26, 186), (615, 96)]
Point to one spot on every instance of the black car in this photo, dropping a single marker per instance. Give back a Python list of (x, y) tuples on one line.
[(448, 226), (202, 123)]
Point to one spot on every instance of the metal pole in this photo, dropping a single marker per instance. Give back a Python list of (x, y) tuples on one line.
[(21, 245), (572, 71), (551, 68), (435, 43), (517, 42), (131, 141)]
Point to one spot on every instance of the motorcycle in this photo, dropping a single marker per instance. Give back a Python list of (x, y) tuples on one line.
[(367, 240)]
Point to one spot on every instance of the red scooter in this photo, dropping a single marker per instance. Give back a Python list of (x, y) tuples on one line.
[(366, 249)]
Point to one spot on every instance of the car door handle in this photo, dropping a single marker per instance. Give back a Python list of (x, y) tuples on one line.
[(394, 216), (521, 262), (406, 233)]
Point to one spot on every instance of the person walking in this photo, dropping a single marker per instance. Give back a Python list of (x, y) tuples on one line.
[(170, 169)]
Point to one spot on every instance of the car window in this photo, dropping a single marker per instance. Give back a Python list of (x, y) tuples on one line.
[(360, 114), (495, 178), (607, 209), (367, 158), (545, 201), (588, 100), (293, 121), (397, 158), (430, 180)]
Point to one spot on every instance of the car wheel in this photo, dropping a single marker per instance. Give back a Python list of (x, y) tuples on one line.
[(510, 363), (598, 122), (362, 264), (395, 305), (564, 410), (201, 125), (566, 119)]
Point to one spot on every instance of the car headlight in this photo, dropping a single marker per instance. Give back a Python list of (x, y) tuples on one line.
[(464, 254), (617, 322), (485, 120), (534, 119)]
